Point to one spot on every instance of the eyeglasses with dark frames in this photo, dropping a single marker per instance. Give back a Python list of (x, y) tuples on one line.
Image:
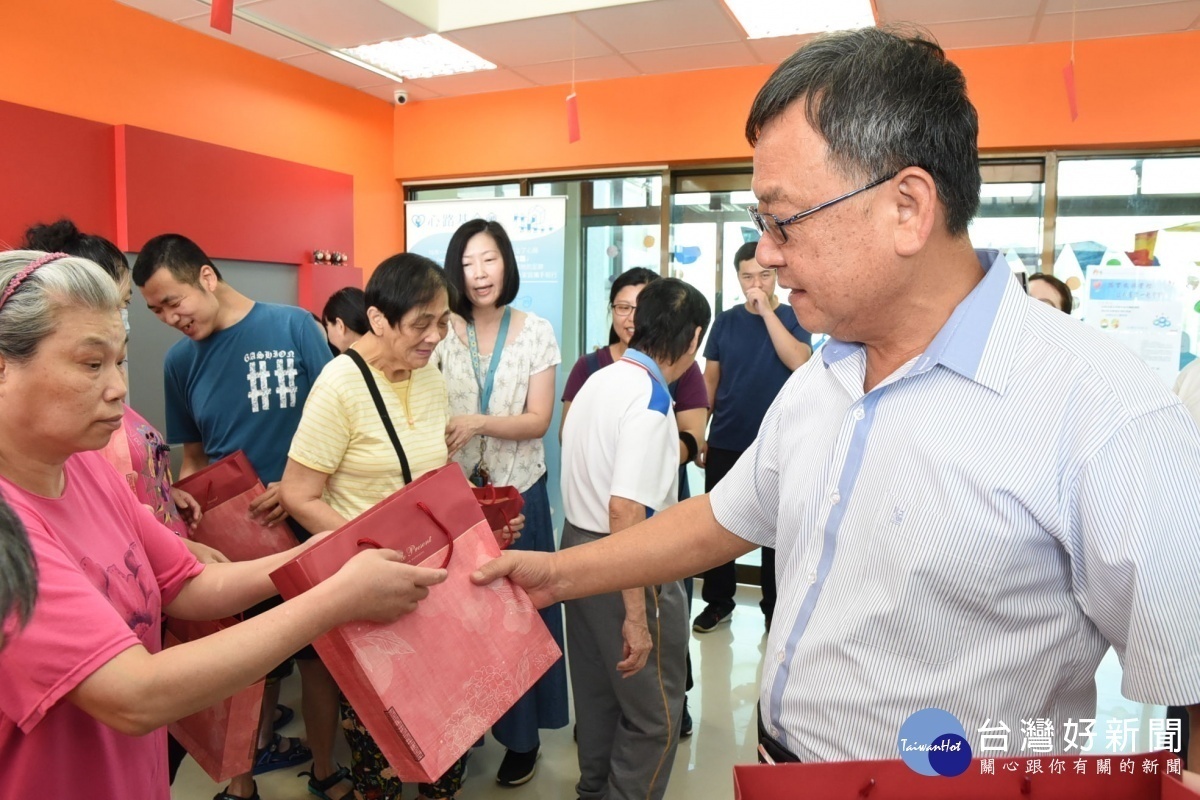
[(773, 226)]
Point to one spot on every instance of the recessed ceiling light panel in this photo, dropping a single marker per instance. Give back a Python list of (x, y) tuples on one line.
[(420, 57), (763, 20)]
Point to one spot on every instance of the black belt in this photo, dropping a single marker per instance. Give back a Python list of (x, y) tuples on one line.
[(771, 746)]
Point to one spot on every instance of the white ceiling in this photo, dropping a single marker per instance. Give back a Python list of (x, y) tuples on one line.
[(639, 38)]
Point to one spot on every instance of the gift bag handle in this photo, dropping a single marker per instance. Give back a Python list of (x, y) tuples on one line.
[(366, 542), (207, 502)]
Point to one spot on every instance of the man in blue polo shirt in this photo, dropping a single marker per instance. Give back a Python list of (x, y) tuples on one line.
[(621, 465), (238, 382), (752, 351)]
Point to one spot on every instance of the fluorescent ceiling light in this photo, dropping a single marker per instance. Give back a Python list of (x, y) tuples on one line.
[(762, 19), (420, 57), (453, 15)]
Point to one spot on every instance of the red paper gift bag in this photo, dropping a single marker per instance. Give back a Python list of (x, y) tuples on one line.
[(223, 738), (1051, 777), (224, 490), (500, 504), (430, 684)]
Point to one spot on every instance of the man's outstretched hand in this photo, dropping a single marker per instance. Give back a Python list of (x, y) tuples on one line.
[(536, 573)]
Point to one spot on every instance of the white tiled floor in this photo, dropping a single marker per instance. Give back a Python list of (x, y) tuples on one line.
[(726, 670)]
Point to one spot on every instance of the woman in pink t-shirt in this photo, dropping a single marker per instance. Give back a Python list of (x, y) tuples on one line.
[(137, 451), (85, 688)]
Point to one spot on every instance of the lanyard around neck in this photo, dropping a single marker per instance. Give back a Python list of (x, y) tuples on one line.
[(485, 386)]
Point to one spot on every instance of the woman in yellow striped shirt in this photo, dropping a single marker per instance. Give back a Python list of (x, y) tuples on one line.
[(342, 460)]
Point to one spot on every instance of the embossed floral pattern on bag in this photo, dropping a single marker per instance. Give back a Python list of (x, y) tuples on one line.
[(434, 655)]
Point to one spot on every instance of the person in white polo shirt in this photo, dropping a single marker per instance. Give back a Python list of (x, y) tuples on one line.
[(620, 465)]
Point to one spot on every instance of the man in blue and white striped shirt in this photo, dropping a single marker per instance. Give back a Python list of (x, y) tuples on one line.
[(935, 548)]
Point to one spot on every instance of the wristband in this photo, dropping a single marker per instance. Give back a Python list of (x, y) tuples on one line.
[(689, 442)]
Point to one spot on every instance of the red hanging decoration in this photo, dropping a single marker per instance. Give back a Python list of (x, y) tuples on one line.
[(1069, 69), (221, 15), (1069, 80), (572, 118)]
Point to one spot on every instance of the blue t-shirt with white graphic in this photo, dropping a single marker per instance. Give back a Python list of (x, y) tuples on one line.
[(243, 388)]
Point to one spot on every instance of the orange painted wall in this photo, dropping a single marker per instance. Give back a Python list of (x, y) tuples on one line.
[(101, 60), (1138, 91), (653, 119), (1133, 92)]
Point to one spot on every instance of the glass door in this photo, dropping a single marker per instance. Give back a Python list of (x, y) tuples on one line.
[(708, 224), (616, 223), (1011, 211)]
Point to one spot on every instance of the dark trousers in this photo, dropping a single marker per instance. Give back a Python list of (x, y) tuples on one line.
[(175, 756), (1181, 713), (720, 583)]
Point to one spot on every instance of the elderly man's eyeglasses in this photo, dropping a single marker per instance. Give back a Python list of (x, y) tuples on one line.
[(623, 309), (773, 226)]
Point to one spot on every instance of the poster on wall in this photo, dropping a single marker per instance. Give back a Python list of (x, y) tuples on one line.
[(1143, 308), (537, 228)]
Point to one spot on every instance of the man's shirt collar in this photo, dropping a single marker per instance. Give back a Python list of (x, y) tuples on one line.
[(977, 341), (647, 363)]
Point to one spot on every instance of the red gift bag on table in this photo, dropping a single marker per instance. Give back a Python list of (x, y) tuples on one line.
[(1061, 777), (430, 684), (224, 490), (223, 738), (500, 504)]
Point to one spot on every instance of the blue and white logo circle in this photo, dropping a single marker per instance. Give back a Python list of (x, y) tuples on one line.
[(933, 742)]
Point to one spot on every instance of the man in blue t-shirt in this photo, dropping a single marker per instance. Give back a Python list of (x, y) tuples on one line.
[(238, 382), (751, 352)]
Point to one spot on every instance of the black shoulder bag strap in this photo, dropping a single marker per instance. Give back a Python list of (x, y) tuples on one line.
[(383, 414)]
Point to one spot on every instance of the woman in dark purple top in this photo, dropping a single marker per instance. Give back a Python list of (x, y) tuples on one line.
[(689, 393)]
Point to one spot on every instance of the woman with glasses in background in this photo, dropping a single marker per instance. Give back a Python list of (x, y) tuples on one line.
[(691, 398)]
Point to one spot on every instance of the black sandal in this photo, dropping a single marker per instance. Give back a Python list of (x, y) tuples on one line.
[(320, 787), (225, 795), (272, 758)]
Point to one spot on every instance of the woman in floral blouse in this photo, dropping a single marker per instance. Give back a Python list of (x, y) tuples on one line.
[(499, 365)]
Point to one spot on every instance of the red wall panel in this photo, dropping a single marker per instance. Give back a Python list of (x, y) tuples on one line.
[(318, 281), (234, 204), (51, 166)]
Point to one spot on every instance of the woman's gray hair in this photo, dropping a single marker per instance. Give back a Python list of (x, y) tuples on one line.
[(65, 284)]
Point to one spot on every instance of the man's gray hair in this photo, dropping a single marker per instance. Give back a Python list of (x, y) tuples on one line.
[(59, 287), (18, 572), (883, 99)]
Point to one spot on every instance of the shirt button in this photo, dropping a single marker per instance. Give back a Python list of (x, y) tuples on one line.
[(859, 414), (834, 497), (774, 731), (812, 577), (779, 657)]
